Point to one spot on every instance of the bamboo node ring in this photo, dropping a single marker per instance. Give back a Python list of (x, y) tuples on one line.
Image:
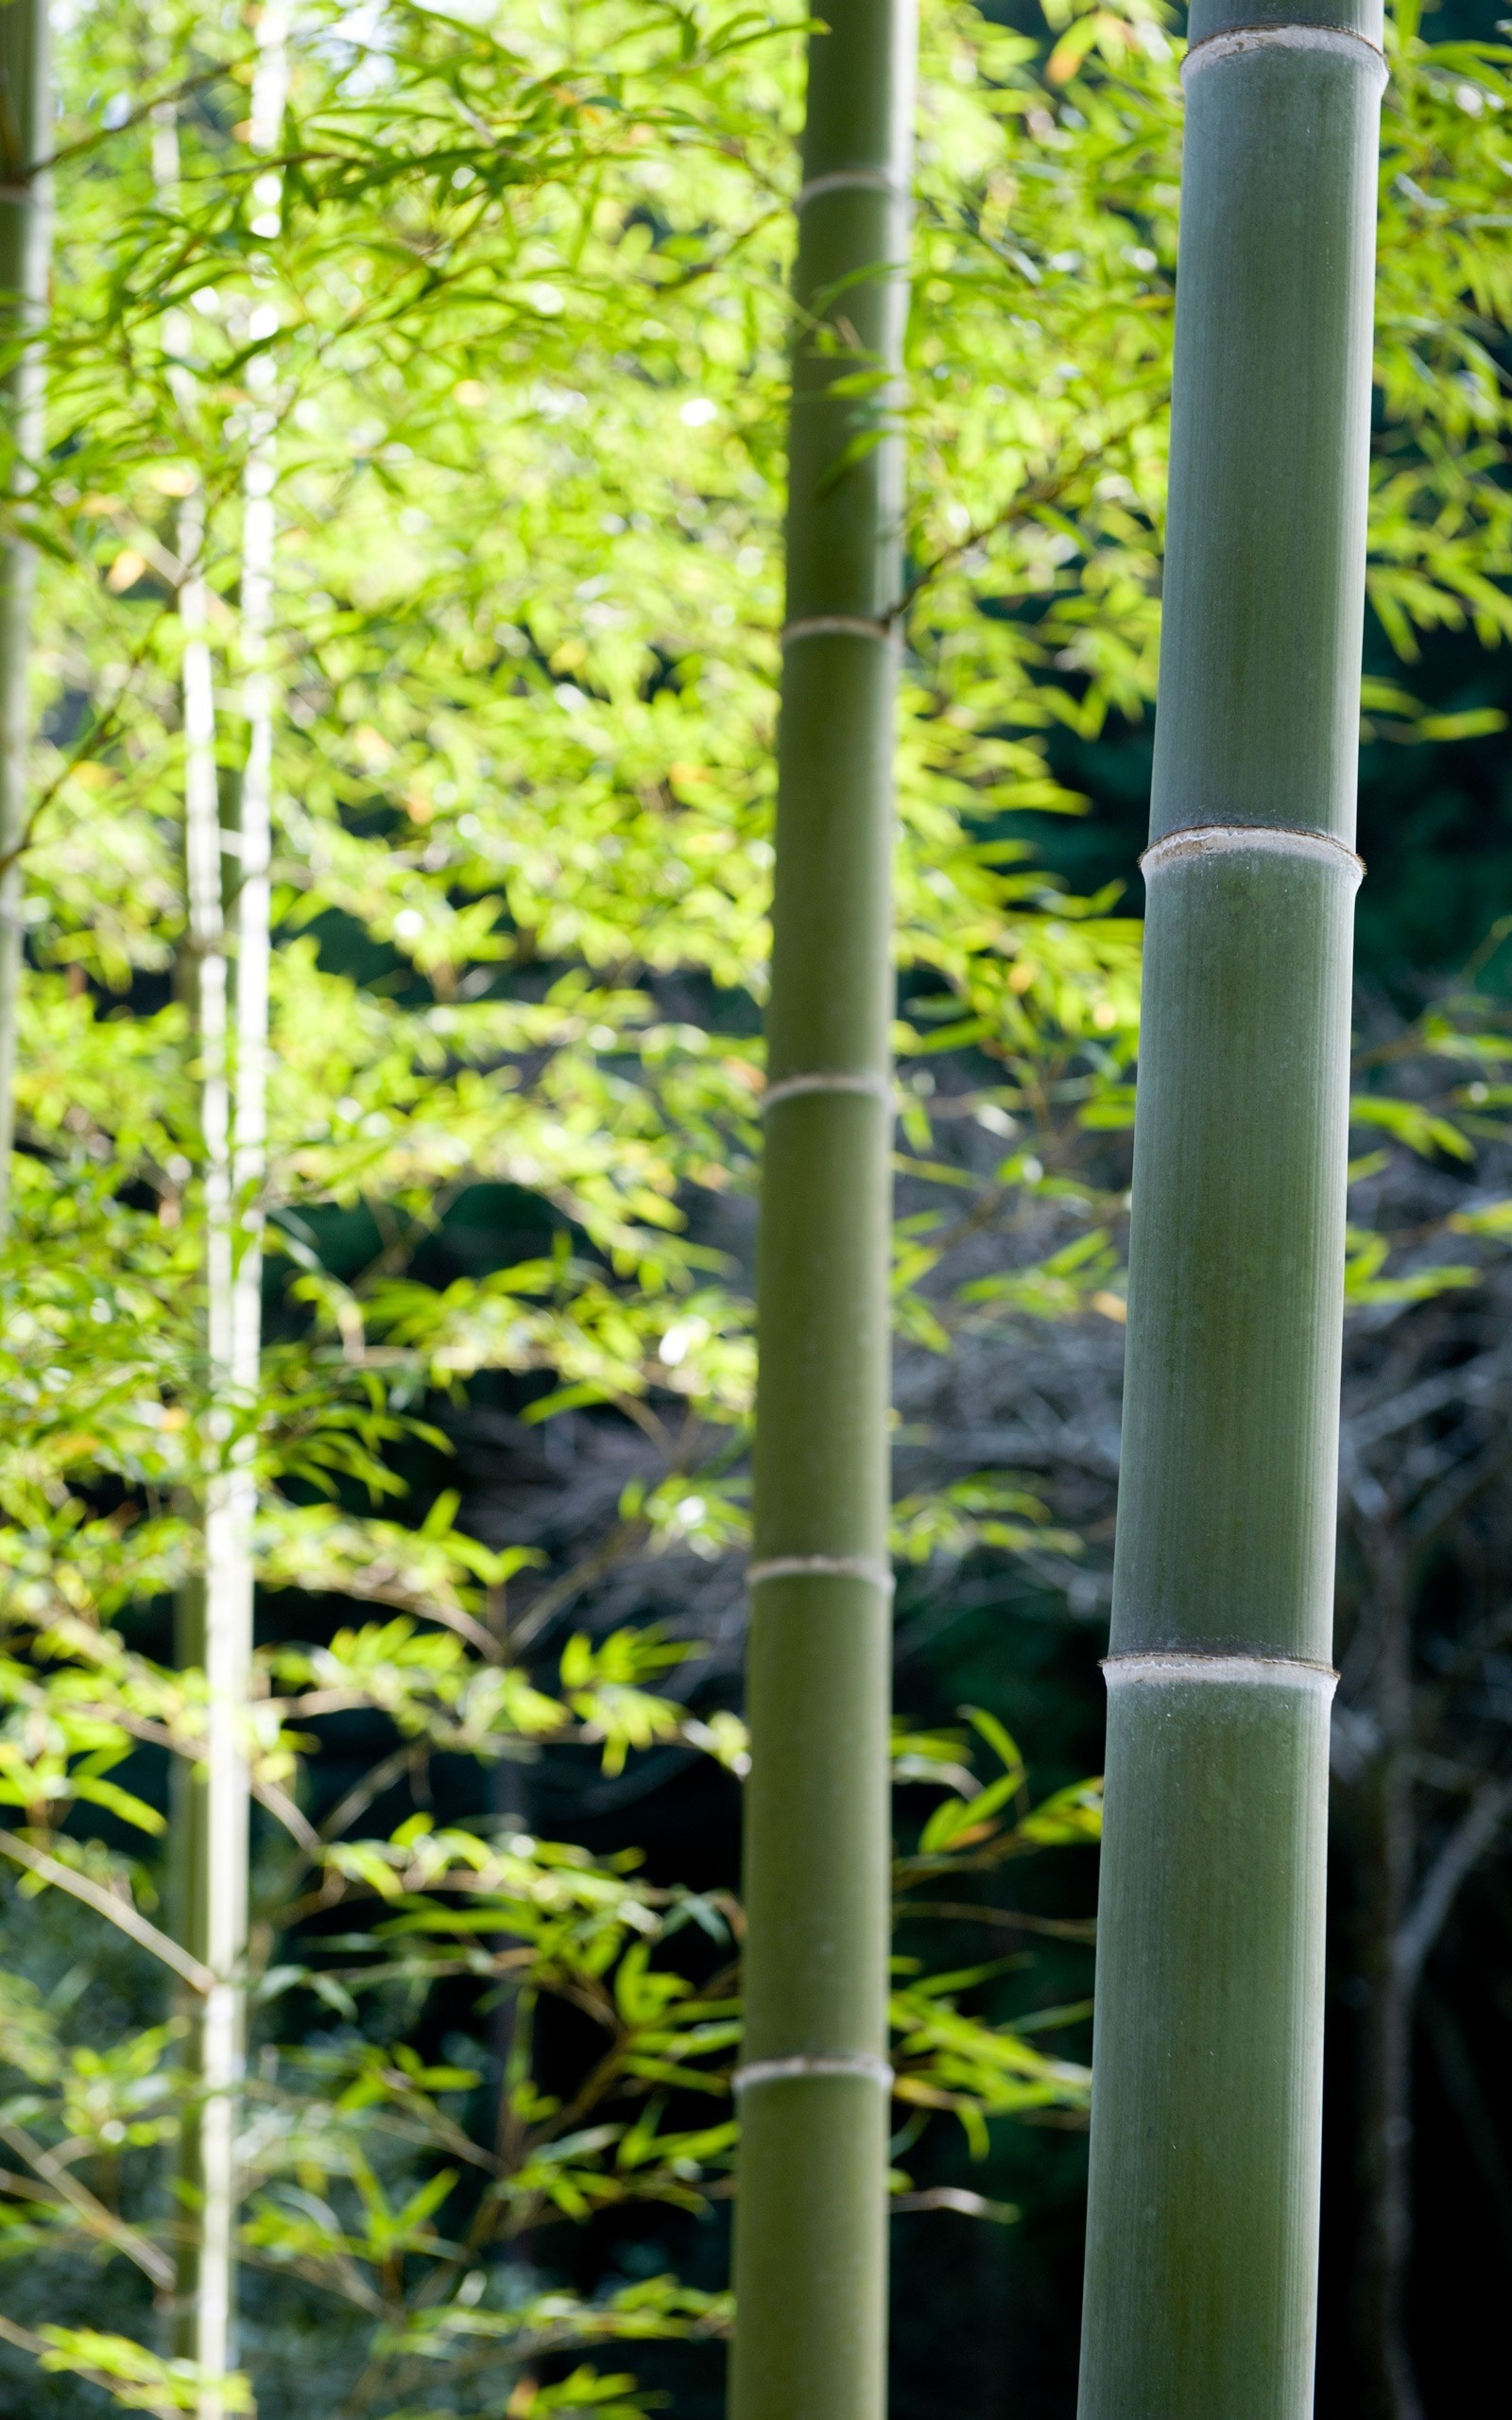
[(829, 2063), (1237, 41), (851, 180), (822, 1566), (1262, 840), (836, 626), (1218, 1664), (793, 1087)]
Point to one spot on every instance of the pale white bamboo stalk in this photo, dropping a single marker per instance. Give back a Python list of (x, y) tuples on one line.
[(259, 698), (215, 1855), (234, 1280)]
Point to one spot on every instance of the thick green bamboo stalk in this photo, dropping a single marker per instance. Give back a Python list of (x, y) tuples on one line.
[(26, 252), (810, 2237), (1207, 2059)]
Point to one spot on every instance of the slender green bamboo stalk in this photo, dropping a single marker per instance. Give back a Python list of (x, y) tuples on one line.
[(25, 252), (1201, 2264), (810, 2237)]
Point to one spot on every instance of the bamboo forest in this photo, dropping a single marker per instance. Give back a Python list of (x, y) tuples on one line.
[(632, 634)]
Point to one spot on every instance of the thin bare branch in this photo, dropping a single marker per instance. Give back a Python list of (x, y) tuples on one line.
[(116, 1912)]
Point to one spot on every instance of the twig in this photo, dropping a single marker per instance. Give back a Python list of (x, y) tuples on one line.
[(224, 72), (1461, 1853), (282, 1807), (118, 1912), (372, 1786), (544, 1608), (1042, 491), (1059, 1927), (99, 2220)]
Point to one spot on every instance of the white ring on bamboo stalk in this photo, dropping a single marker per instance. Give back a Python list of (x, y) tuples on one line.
[(822, 1566), (1241, 39), (836, 626), (828, 2063), (1262, 840), (851, 180), (793, 1088), (1255, 1672)]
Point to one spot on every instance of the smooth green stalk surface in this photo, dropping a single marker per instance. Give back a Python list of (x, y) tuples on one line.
[(1202, 2233), (1265, 561), (810, 2237), (1231, 1401), (1208, 2086), (26, 247)]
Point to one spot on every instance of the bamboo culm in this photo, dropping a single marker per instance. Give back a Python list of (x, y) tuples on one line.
[(1202, 2238), (232, 968), (233, 1036), (810, 2233), (211, 1833), (260, 697), (25, 252)]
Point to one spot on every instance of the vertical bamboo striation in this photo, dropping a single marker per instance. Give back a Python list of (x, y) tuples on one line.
[(810, 2242), (25, 252), (1208, 2060)]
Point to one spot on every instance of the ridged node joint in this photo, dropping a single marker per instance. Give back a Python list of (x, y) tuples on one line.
[(874, 1087), (803, 2070), (1255, 839), (1220, 1665), (851, 180), (822, 1566), (836, 626), (1238, 42)]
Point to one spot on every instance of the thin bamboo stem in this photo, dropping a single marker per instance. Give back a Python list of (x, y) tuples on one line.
[(260, 701), (26, 254), (214, 1630), (233, 1085), (810, 2237), (1202, 2229)]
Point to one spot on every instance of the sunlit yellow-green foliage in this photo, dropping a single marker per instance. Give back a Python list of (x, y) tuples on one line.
[(530, 342)]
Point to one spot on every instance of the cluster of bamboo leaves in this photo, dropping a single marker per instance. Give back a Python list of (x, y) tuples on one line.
[(519, 317)]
